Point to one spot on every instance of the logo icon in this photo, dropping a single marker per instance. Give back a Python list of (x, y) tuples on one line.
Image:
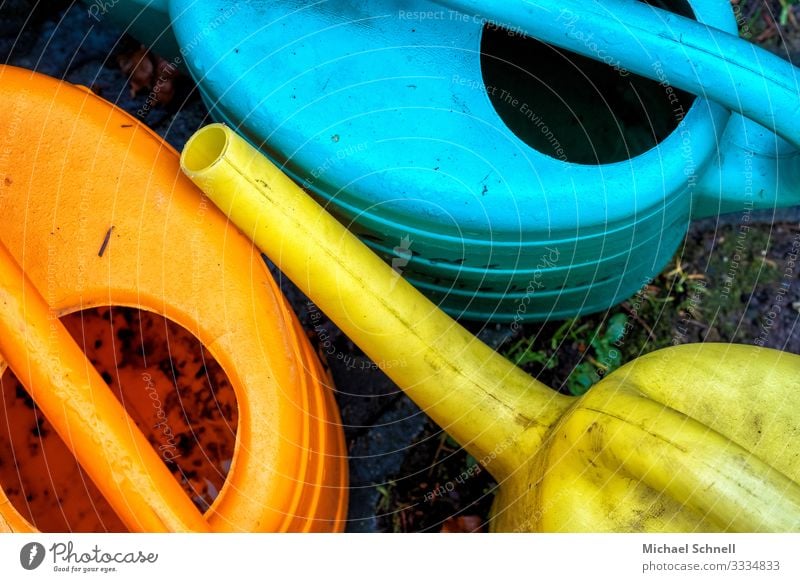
[(31, 555), (402, 256)]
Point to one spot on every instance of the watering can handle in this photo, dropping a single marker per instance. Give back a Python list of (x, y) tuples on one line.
[(663, 46), (88, 417)]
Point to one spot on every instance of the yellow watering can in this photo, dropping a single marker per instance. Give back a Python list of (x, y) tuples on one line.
[(691, 438), (94, 211)]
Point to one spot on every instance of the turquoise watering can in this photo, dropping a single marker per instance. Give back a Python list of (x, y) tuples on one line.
[(516, 161)]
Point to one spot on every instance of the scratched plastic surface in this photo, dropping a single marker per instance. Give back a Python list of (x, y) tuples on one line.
[(174, 391)]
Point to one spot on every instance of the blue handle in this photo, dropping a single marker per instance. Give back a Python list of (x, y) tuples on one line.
[(662, 46)]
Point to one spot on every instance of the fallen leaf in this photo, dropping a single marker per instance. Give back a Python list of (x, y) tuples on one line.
[(139, 68), (148, 71), (166, 73), (463, 524)]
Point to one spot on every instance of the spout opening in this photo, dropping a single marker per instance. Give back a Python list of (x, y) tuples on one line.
[(205, 148)]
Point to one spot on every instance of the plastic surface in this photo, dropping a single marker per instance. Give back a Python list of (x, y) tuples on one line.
[(393, 118), (72, 166), (70, 392), (691, 438)]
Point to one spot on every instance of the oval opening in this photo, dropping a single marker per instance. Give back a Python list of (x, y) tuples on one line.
[(204, 148), (171, 387), (574, 108)]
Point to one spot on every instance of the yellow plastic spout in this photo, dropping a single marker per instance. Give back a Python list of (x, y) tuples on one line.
[(453, 376), (692, 438), (76, 400)]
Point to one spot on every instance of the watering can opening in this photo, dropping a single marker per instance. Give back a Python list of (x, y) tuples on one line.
[(574, 108), (208, 147), (171, 386)]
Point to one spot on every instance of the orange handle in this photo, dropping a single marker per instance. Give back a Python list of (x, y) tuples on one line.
[(71, 166), (84, 412)]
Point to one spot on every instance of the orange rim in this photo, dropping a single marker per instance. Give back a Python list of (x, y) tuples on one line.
[(72, 167)]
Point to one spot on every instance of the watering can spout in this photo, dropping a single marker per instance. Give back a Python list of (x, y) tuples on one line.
[(484, 402), (754, 169), (660, 445)]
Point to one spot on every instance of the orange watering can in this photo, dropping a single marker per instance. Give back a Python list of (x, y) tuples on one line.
[(691, 438), (95, 212)]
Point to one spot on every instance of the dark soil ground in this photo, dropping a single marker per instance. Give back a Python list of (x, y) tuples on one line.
[(722, 286)]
